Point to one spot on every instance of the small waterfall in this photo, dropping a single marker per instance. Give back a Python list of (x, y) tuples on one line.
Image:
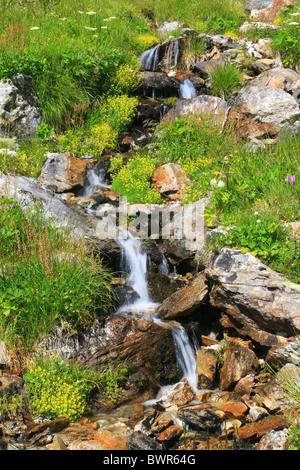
[(135, 263), (96, 180), (172, 54), (185, 353), (149, 59), (164, 267), (187, 90)]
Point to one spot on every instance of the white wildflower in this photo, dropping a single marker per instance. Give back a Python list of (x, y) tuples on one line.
[(112, 17), (103, 27), (293, 23), (91, 29), (255, 213), (35, 27), (221, 184), (258, 220), (81, 12), (213, 182), (91, 13), (106, 19)]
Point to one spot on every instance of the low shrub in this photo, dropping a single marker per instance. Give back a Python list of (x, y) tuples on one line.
[(134, 180), (60, 389)]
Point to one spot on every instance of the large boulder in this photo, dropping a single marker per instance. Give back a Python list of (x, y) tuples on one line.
[(157, 84), (147, 348), (203, 105), (186, 300), (280, 78), (28, 192), (265, 105), (170, 181), (260, 303), (63, 172), (266, 10), (19, 111)]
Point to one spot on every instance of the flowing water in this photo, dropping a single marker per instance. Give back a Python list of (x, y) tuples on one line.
[(96, 180), (187, 90), (172, 54), (149, 59), (135, 263)]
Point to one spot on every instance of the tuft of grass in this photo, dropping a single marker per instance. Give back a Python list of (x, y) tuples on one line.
[(225, 79)]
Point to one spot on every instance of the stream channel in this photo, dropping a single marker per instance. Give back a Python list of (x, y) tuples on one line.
[(134, 267)]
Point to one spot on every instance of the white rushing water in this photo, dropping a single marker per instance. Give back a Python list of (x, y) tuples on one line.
[(187, 90), (135, 263), (172, 54), (149, 59), (96, 180)]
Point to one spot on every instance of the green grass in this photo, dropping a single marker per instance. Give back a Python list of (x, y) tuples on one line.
[(46, 279), (247, 190)]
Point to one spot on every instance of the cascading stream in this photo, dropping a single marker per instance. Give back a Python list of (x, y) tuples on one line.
[(187, 90), (96, 180), (135, 263)]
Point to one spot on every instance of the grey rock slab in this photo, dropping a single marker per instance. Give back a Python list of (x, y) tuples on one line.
[(260, 302), (265, 104)]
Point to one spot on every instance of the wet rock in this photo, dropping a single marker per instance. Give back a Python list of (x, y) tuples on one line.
[(259, 302), (259, 429), (161, 424), (239, 361), (274, 440), (178, 254), (147, 348), (161, 287), (265, 104), (99, 440), (185, 301), (10, 385), (140, 441), (19, 111), (157, 83), (63, 173), (207, 360), (42, 432), (178, 395), (149, 109), (170, 181), (212, 107), (205, 419), (170, 434)]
